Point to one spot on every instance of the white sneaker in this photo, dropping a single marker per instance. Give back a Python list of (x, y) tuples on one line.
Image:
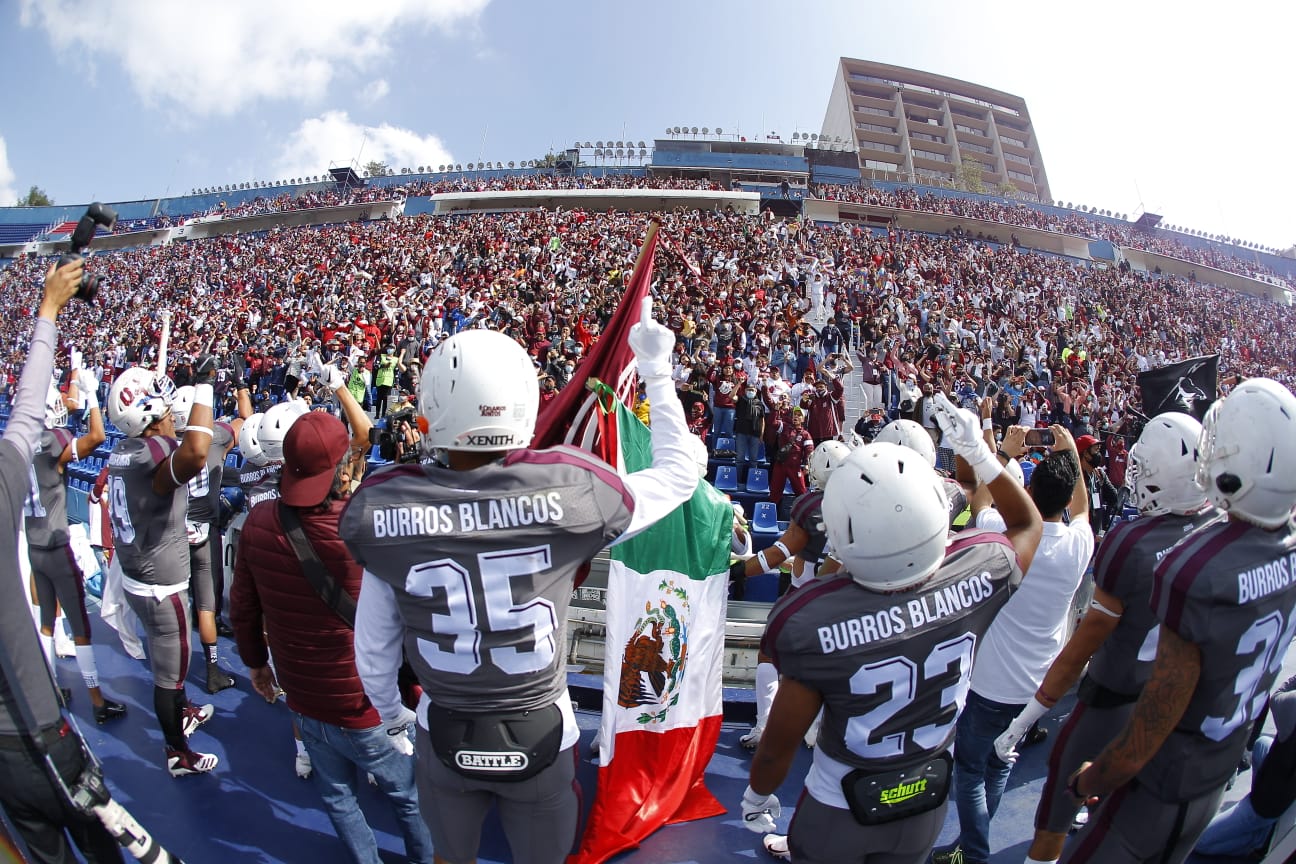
[(195, 716), (752, 738), (303, 765), (63, 644), (777, 845), (1081, 819), (184, 762)]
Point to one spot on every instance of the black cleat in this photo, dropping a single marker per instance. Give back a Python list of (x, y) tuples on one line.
[(66, 694), (109, 710), (217, 679), (223, 629)]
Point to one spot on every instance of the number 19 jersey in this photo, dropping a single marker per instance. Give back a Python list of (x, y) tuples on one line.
[(893, 669), (483, 562), (148, 528)]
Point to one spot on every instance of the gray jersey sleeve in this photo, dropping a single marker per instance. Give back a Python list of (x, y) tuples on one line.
[(205, 486), (46, 506), (1229, 589), (893, 669), (148, 528), (1123, 568), (482, 564)]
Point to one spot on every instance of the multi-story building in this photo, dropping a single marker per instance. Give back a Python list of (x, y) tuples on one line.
[(925, 128)]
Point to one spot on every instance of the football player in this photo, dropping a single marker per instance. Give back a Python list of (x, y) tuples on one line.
[(1224, 598), (470, 564), (885, 648), (201, 517), (805, 544), (54, 569), (1117, 637), (147, 475)]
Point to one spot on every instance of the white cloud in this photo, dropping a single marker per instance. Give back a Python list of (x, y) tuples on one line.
[(334, 139), (8, 195), (375, 90), (216, 58)]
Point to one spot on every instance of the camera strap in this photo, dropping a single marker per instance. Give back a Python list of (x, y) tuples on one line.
[(342, 604)]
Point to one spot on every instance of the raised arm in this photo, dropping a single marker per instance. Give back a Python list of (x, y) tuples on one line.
[(28, 418), (673, 476)]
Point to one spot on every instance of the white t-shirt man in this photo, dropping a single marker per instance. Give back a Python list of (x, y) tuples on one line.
[(1031, 629)]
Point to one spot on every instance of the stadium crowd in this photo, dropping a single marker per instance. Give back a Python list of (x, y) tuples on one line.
[(948, 312), (758, 307), (1232, 259)]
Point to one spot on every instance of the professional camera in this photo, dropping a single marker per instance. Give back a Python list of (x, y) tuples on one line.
[(96, 214), (392, 444)]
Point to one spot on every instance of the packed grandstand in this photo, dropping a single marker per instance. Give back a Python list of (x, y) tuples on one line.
[(764, 292)]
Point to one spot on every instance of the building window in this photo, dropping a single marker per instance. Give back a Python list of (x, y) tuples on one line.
[(1013, 141), (1017, 175), (928, 154), (874, 127), (884, 148), (976, 148), (869, 109), (879, 166), (1013, 157)]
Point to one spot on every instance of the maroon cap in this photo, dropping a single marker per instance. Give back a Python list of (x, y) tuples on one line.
[(1083, 443), (312, 449)]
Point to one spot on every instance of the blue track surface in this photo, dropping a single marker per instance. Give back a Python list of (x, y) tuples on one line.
[(255, 809)]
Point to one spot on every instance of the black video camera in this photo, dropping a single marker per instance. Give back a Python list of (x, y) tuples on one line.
[(391, 441), (96, 214)]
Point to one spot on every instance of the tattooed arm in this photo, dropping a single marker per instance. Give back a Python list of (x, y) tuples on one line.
[(1160, 706)]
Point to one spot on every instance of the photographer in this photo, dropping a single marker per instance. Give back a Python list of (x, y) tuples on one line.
[(34, 802)]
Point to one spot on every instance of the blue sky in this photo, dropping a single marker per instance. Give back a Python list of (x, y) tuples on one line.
[(142, 98)]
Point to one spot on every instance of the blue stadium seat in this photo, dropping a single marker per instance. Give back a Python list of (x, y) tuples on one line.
[(765, 518), (758, 481), (724, 443), (762, 588), (726, 478)]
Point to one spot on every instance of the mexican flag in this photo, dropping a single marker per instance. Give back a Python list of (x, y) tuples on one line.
[(667, 591)]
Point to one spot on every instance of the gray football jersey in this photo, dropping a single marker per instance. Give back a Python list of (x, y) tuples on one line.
[(260, 484), (894, 669), (45, 510), (1229, 589), (205, 486), (483, 563), (148, 528), (1123, 568)]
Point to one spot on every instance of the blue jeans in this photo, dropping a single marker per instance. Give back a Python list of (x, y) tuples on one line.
[(1239, 831), (335, 754), (722, 421), (748, 450), (979, 775)]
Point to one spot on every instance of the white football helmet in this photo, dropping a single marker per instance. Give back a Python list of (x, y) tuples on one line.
[(275, 425), (249, 440), (886, 515), (1248, 453), (56, 413), (181, 405), (139, 398), (479, 392), (824, 461), (911, 434), (1162, 472)]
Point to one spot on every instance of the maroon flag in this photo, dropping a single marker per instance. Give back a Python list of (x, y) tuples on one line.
[(570, 417)]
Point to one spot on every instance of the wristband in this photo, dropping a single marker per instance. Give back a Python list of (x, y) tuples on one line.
[(91, 401), (987, 470), (986, 424), (204, 395), (203, 429), (763, 561), (1073, 787), (782, 547)]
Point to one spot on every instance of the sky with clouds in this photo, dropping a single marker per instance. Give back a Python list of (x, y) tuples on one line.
[(1183, 109)]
